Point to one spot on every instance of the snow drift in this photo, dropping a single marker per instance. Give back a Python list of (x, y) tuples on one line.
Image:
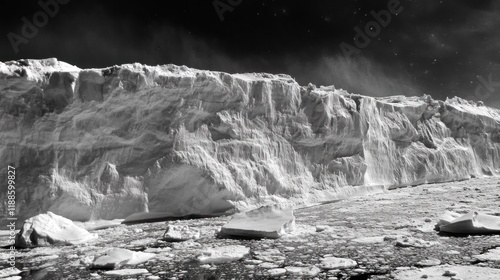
[(107, 143)]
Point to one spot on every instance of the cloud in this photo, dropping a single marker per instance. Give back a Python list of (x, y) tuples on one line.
[(364, 76)]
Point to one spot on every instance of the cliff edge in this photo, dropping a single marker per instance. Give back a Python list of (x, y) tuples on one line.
[(107, 143)]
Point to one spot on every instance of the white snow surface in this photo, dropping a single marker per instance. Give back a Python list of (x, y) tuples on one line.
[(106, 143)]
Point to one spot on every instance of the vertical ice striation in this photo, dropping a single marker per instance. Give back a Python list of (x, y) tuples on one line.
[(407, 143), (379, 148)]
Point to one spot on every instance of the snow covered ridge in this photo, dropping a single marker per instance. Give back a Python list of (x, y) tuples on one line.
[(107, 143)]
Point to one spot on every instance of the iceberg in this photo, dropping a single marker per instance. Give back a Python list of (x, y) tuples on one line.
[(92, 144)]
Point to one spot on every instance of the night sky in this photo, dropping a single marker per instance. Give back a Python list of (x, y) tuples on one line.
[(443, 48)]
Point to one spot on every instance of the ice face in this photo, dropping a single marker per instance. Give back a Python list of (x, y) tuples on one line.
[(107, 143)]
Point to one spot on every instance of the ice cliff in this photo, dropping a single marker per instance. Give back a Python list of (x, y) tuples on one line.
[(107, 143)]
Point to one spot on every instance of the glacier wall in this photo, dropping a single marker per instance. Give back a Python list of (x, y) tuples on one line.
[(107, 143)]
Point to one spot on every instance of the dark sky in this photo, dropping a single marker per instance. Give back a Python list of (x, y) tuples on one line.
[(443, 48)]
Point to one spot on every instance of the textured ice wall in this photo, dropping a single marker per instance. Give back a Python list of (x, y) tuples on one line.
[(106, 143)]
